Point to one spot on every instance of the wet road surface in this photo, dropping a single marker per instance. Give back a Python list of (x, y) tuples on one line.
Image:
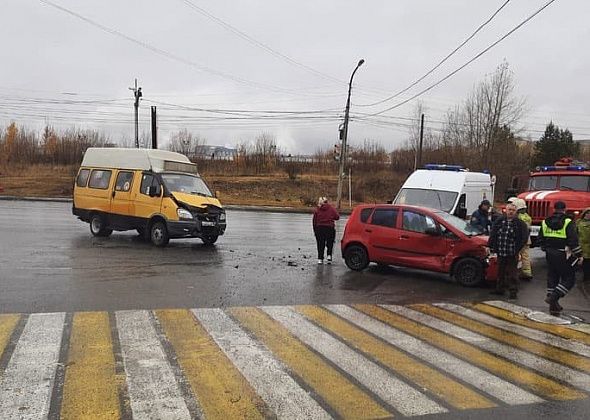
[(50, 262), (273, 334)]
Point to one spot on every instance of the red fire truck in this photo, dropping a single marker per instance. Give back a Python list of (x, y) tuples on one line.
[(566, 180)]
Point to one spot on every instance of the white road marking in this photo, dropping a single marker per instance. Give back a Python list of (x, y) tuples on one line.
[(27, 383), (153, 390), (538, 316), (395, 392), (479, 378), (531, 333), (266, 374), (544, 366)]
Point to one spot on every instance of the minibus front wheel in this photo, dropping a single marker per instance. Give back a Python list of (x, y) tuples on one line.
[(98, 226), (209, 239), (159, 233)]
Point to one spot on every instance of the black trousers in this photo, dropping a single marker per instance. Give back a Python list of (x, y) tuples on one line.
[(507, 273), (586, 269), (324, 236), (561, 276)]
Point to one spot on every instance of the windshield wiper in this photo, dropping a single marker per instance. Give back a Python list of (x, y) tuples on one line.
[(199, 193)]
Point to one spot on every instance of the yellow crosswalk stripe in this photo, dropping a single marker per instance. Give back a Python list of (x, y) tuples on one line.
[(221, 390), (90, 386), (544, 350), (342, 395), (454, 393), (558, 330), (539, 384), (7, 324)]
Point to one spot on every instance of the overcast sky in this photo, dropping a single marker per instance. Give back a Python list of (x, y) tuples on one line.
[(261, 55)]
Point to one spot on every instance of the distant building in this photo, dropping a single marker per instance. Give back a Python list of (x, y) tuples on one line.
[(215, 152)]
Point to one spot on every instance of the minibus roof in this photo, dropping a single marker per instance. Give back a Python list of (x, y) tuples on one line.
[(142, 159)]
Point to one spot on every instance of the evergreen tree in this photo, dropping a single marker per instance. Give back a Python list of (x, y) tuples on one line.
[(555, 144)]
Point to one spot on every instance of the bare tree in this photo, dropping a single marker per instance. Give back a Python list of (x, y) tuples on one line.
[(187, 143), (490, 107)]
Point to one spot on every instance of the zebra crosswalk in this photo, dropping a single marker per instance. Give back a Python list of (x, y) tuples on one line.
[(292, 362)]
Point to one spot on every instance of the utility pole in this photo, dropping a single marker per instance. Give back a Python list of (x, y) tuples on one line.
[(136, 95), (343, 154), (419, 163), (154, 129)]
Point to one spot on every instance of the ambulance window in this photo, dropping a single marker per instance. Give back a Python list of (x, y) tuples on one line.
[(365, 213), (82, 179), (99, 179), (124, 180), (384, 217), (417, 222)]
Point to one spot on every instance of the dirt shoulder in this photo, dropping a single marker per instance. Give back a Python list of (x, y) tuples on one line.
[(275, 190)]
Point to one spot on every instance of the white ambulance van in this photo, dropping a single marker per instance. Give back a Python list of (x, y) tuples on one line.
[(449, 188)]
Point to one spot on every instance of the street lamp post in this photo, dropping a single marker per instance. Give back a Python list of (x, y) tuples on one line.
[(344, 138)]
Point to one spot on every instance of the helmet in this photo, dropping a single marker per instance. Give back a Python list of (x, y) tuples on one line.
[(512, 200), (519, 203)]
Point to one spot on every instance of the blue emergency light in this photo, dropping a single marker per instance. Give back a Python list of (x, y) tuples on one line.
[(443, 167), (562, 168)]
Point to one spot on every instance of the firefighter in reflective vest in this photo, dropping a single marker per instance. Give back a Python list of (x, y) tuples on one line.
[(559, 239), (526, 271)]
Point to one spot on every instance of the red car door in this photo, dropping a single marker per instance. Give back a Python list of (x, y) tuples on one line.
[(423, 245), (383, 235)]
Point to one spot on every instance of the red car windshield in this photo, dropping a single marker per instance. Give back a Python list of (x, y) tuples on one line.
[(462, 225)]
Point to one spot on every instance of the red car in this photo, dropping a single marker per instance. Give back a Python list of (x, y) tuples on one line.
[(417, 237)]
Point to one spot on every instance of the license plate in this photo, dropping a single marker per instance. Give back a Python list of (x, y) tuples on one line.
[(535, 230), (205, 223)]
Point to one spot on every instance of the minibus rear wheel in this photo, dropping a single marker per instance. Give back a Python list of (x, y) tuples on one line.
[(98, 226), (159, 233)]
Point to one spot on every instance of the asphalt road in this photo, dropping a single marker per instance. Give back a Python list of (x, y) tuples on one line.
[(52, 272), (49, 262)]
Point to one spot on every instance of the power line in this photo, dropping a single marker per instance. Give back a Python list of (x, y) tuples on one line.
[(171, 55), (432, 86), (440, 63), (259, 44)]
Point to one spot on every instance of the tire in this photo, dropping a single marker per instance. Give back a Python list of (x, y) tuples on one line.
[(356, 257), (159, 234), (469, 272), (209, 239), (98, 226)]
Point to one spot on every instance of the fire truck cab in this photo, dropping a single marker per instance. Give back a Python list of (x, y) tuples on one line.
[(566, 181)]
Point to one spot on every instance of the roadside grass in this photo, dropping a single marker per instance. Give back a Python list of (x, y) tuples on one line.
[(274, 189)]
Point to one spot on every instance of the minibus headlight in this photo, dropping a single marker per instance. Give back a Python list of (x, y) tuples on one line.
[(222, 217), (184, 214)]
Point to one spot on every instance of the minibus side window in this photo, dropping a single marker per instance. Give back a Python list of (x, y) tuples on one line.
[(100, 179), (82, 177), (124, 181)]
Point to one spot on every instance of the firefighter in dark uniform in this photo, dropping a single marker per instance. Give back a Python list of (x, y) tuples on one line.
[(559, 239)]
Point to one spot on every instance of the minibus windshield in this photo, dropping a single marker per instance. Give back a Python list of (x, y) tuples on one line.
[(434, 199), (184, 183)]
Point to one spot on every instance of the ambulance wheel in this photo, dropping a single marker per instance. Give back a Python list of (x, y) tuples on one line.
[(209, 239), (159, 234), (356, 257), (469, 272), (98, 226)]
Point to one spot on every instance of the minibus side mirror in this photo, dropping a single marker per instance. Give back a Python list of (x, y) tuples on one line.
[(216, 193)]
